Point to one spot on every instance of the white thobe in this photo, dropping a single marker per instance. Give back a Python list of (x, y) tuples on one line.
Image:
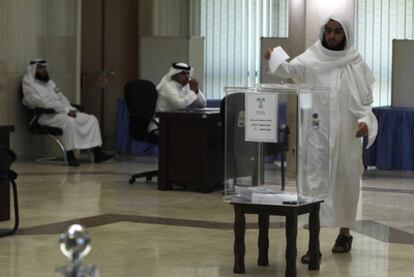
[(173, 96), (349, 80), (81, 132)]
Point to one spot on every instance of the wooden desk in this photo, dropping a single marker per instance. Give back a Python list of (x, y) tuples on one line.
[(291, 213), (4, 185), (190, 150)]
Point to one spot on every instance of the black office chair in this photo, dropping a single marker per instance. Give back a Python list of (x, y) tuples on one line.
[(35, 128), (141, 98), (242, 155), (53, 133)]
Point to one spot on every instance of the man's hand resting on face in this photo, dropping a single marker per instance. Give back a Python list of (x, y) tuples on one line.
[(72, 113), (193, 85)]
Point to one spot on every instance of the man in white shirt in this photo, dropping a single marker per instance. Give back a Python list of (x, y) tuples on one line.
[(177, 91), (333, 61), (80, 130)]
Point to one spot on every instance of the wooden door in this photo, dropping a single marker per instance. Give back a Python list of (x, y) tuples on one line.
[(109, 58)]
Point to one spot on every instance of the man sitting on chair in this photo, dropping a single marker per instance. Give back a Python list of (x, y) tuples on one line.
[(80, 130), (177, 91)]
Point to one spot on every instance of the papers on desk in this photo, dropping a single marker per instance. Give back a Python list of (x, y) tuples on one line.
[(206, 109), (247, 191), (277, 57), (268, 195), (274, 198)]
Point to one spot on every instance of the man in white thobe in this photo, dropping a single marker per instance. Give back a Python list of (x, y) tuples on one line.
[(333, 61), (80, 130), (177, 91)]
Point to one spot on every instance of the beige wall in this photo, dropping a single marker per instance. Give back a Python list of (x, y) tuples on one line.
[(297, 25), (171, 18), (145, 20), (35, 29)]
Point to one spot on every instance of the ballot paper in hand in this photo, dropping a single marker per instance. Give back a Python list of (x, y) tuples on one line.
[(277, 57)]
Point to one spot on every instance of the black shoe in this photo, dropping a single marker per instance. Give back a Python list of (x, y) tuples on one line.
[(101, 157), (305, 259), (343, 244), (72, 161)]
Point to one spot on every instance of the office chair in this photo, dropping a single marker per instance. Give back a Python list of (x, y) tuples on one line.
[(35, 128), (241, 158), (53, 133), (141, 98)]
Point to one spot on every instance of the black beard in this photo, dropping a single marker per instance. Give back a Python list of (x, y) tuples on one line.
[(339, 47), (44, 78)]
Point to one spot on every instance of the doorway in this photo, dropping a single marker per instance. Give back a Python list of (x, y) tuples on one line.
[(109, 58)]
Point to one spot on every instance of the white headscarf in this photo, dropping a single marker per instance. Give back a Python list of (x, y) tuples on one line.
[(36, 93), (174, 69), (346, 26), (322, 58), (31, 70)]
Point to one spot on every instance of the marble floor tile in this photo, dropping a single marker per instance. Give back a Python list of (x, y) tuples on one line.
[(138, 230)]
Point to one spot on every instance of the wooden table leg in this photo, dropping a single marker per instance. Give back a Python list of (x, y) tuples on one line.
[(291, 251), (239, 232), (314, 247), (263, 242), (163, 158)]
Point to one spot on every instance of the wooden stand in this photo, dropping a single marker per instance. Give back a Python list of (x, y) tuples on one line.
[(291, 213)]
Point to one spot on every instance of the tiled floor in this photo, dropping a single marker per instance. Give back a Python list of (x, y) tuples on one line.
[(139, 231)]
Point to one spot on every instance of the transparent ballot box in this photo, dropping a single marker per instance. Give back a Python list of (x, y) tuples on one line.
[(276, 144)]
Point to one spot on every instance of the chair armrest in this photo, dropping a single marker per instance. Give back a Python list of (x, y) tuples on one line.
[(44, 111), (151, 119), (34, 127), (156, 123), (79, 107)]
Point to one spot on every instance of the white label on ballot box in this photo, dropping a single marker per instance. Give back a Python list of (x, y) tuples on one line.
[(261, 117)]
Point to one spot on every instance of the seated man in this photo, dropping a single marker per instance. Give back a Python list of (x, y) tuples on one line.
[(80, 130), (177, 90)]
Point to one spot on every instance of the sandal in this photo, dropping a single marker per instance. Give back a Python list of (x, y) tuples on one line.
[(305, 259), (343, 244)]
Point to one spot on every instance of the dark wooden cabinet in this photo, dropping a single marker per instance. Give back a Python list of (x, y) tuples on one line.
[(191, 150)]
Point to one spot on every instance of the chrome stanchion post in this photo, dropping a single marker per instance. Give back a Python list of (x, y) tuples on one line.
[(74, 243)]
